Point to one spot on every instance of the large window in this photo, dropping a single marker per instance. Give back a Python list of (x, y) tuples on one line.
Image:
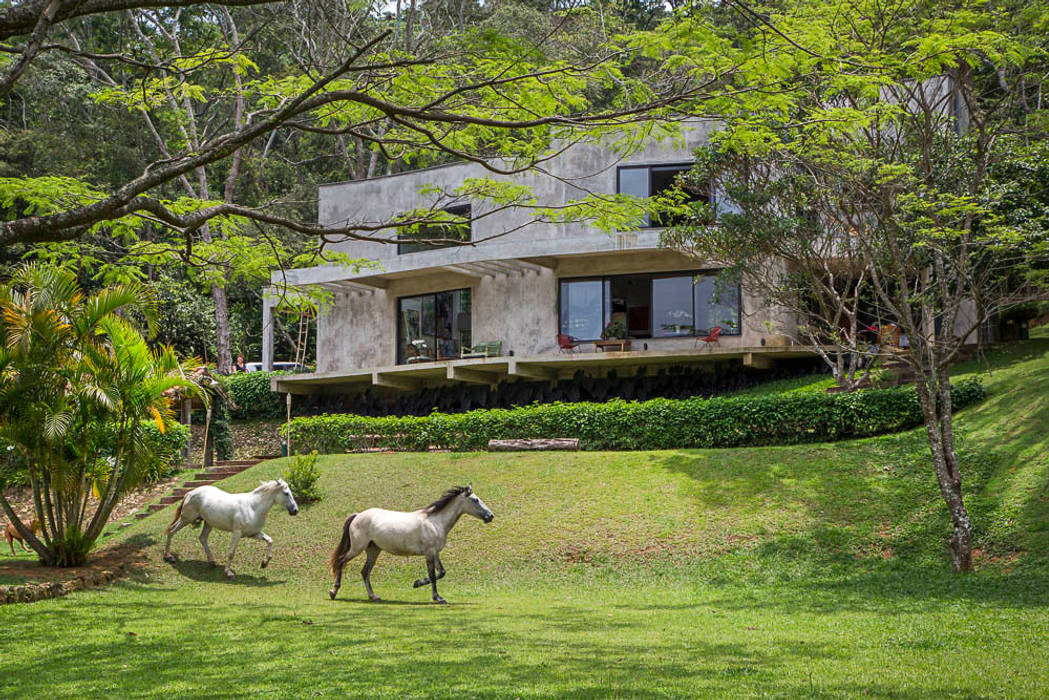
[(653, 180), (449, 232), (433, 327), (661, 305)]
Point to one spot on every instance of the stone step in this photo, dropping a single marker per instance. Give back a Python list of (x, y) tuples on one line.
[(224, 471), (168, 500), (237, 462), (199, 482), (154, 507), (143, 514), (211, 476), (181, 491)]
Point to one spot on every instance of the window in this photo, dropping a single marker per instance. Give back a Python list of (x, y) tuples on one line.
[(650, 305), (433, 327), (455, 231), (653, 180)]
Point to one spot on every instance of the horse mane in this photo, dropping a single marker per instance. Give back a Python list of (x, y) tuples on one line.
[(446, 498), (267, 486)]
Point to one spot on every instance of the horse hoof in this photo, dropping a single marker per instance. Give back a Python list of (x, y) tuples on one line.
[(419, 584), (331, 593), (170, 558), (440, 601), (264, 564), (373, 599), (230, 575)]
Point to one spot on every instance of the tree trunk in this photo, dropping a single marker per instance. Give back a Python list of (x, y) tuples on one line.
[(937, 412)]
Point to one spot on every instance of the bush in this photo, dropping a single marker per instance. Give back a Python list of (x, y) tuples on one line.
[(164, 450), (773, 419), (251, 393), (302, 475)]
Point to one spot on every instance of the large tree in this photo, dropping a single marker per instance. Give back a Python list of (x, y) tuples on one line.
[(882, 170)]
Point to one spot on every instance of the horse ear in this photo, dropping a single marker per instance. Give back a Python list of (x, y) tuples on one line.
[(469, 489)]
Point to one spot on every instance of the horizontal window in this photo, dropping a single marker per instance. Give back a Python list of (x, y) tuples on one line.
[(437, 235), (656, 305), (655, 180)]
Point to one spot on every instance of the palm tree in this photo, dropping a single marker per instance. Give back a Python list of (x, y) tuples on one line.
[(77, 379)]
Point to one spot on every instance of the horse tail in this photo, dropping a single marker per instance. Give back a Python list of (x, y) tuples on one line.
[(178, 516), (344, 545)]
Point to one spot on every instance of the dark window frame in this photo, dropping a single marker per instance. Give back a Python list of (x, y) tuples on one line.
[(650, 167), (406, 245), (605, 301), (398, 359)]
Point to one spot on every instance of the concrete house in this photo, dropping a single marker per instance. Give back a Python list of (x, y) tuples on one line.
[(528, 300)]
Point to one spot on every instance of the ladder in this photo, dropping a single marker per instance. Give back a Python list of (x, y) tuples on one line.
[(304, 333)]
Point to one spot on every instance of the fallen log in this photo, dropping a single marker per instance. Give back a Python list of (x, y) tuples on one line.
[(534, 444)]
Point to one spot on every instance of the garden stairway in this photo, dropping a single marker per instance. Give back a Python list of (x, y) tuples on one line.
[(221, 470)]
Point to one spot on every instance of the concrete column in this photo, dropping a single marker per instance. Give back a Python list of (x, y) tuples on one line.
[(267, 332)]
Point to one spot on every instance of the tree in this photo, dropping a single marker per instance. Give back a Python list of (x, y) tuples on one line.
[(77, 380), (882, 159)]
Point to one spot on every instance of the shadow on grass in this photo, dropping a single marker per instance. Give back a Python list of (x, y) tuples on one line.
[(215, 573), (567, 652)]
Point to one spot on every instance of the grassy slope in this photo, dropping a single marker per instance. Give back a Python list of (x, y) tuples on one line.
[(811, 570)]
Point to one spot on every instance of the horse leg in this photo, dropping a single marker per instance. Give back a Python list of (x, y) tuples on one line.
[(172, 529), (440, 574), (350, 554), (269, 547), (431, 569), (11, 543), (373, 554), (204, 533), (234, 539)]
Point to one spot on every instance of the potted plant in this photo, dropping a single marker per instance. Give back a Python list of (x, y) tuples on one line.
[(615, 329)]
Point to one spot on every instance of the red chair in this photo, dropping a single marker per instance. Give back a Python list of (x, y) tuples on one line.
[(567, 343), (711, 337)]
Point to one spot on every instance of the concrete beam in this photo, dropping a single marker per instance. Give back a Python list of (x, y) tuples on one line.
[(532, 371), (472, 376), (467, 271), (537, 269), (392, 381), (757, 361)]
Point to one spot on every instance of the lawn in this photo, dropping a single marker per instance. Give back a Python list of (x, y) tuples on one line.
[(815, 570)]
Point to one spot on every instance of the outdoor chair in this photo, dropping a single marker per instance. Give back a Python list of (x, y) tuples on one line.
[(491, 348), (567, 343), (711, 336)]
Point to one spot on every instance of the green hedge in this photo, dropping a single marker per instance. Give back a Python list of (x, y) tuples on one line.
[(164, 449), (251, 393), (775, 419)]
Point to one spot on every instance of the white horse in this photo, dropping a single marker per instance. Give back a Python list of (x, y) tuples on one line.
[(421, 532), (242, 514)]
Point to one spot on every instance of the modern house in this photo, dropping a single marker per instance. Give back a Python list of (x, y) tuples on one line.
[(526, 300)]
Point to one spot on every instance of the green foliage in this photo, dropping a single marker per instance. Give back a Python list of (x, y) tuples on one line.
[(221, 433), (777, 419), (163, 449), (251, 393), (302, 475)]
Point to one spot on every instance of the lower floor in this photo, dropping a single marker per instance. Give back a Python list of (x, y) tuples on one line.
[(537, 316)]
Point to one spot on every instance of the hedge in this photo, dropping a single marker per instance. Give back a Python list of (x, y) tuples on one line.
[(774, 419), (251, 393)]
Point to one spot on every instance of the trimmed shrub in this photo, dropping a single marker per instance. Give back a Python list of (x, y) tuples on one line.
[(774, 419), (251, 392), (302, 475)]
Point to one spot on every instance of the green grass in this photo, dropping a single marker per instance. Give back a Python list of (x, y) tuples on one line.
[(807, 571)]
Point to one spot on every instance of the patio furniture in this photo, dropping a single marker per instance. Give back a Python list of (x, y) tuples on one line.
[(490, 348), (418, 351), (711, 337), (620, 344), (567, 343)]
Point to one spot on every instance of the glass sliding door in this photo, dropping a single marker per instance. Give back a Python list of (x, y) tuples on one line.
[(672, 313), (717, 304), (433, 326), (584, 308)]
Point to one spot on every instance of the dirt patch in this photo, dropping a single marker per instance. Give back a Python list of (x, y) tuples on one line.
[(127, 557)]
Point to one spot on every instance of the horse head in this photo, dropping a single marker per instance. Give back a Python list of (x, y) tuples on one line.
[(475, 506), (284, 497)]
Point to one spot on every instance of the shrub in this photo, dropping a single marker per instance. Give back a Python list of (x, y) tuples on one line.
[(302, 475), (163, 449), (773, 419), (251, 393)]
